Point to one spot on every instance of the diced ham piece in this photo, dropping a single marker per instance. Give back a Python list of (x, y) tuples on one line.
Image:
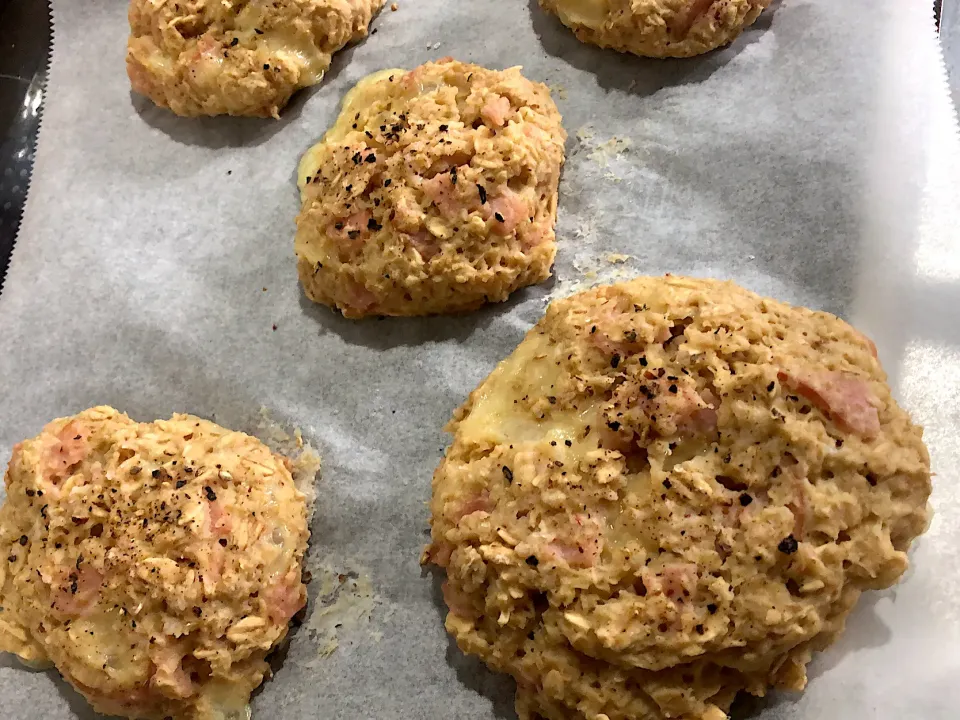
[(69, 448), (579, 546), (496, 111), (674, 407), (217, 521), (207, 60), (677, 578), (688, 17), (425, 244), (358, 297), (535, 235), (439, 553), (441, 192), (478, 503), (285, 598), (508, 210), (457, 601), (77, 591), (845, 399), (351, 233), (169, 673)]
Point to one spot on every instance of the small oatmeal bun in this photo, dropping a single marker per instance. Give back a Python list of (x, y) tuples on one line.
[(434, 192)]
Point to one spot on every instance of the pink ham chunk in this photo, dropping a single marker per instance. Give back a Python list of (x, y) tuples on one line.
[(351, 233), (441, 191), (678, 580), (478, 503), (285, 598), (496, 111), (425, 245), (217, 521), (357, 298), (439, 553), (580, 544), (78, 591), (847, 400), (68, 449), (672, 406), (508, 210)]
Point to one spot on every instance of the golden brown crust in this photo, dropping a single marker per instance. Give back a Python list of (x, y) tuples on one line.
[(435, 192), (206, 57), (673, 490), (155, 564), (657, 28)]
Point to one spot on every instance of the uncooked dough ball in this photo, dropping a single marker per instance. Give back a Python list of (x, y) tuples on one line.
[(434, 192), (672, 491), (154, 564), (657, 28), (209, 57)]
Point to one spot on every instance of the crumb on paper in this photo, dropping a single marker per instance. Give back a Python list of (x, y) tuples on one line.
[(591, 269), (433, 47), (559, 90), (304, 459), (394, 7), (344, 602), (603, 153)]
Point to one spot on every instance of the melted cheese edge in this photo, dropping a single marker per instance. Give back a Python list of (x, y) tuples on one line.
[(363, 94), (592, 13), (529, 372)]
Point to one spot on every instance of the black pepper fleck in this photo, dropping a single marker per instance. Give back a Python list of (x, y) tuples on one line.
[(788, 545), (483, 194), (23, 540), (208, 491), (507, 473), (532, 561), (615, 360), (745, 499)]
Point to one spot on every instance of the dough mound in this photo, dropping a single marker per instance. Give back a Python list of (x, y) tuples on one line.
[(657, 28), (154, 564), (672, 491), (208, 57), (434, 192)]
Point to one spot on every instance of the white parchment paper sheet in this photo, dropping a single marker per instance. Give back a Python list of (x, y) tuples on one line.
[(815, 161)]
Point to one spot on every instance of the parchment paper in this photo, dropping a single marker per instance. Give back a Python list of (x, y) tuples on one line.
[(814, 161)]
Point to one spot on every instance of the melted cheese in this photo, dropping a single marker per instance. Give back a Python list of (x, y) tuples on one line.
[(361, 95), (283, 45), (295, 50), (591, 13), (529, 372)]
